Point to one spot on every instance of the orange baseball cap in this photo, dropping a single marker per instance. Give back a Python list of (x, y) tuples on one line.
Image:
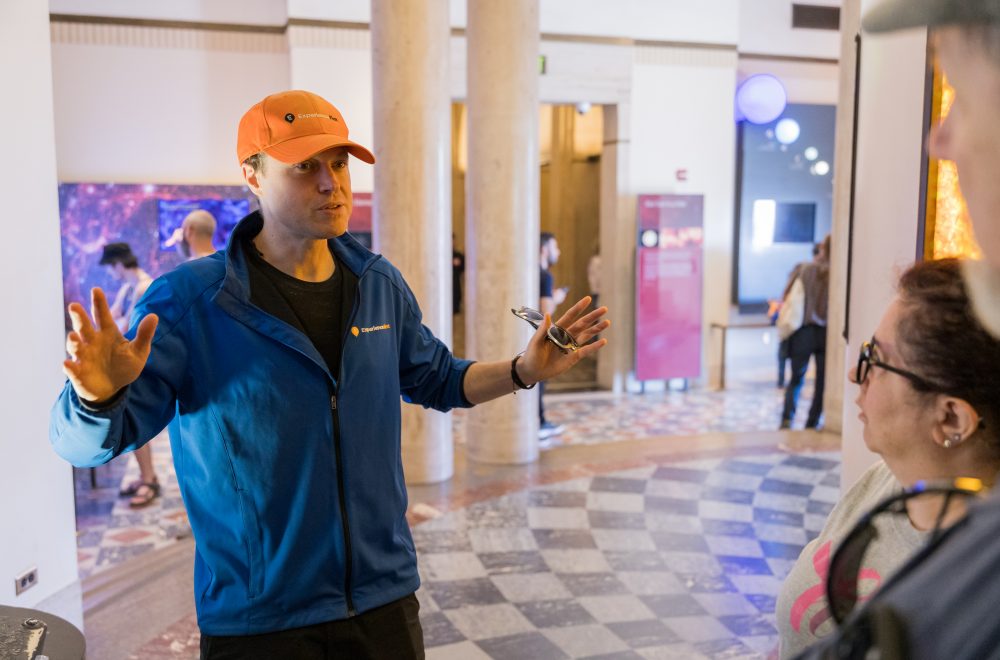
[(294, 126)]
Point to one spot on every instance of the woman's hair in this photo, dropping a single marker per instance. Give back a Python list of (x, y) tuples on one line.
[(941, 339)]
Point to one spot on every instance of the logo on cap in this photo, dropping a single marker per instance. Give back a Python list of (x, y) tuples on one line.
[(289, 118)]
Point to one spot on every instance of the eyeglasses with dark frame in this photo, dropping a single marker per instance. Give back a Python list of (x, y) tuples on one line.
[(845, 565), (557, 335), (867, 360)]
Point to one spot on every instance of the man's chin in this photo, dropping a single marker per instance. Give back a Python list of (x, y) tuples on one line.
[(983, 283)]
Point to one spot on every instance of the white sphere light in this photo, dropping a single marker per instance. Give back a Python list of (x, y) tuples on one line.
[(649, 238), (822, 168), (761, 99), (787, 131), (811, 153)]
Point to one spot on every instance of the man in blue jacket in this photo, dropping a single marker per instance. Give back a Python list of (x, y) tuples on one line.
[(942, 604), (284, 357)]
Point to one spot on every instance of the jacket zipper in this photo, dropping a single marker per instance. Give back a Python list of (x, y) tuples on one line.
[(340, 463), (343, 505)]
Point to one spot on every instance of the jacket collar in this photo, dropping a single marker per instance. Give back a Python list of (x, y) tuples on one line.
[(349, 251), (234, 294)]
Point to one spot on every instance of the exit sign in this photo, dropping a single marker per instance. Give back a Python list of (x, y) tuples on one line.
[(541, 65)]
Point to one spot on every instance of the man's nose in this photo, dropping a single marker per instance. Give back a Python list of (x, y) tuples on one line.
[(327, 180)]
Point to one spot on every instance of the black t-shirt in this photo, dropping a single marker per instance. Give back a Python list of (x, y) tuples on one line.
[(457, 269), (321, 310), (546, 284)]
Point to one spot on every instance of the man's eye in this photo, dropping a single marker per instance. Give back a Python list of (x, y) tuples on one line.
[(303, 167)]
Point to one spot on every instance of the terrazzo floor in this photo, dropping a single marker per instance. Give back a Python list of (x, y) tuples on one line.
[(660, 528), (110, 532)]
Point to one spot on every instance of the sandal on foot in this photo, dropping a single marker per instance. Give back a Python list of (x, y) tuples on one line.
[(145, 494), (130, 489)]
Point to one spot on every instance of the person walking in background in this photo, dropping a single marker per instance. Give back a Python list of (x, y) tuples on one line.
[(123, 266), (810, 339), (549, 298), (594, 277), (772, 314), (193, 238), (457, 272)]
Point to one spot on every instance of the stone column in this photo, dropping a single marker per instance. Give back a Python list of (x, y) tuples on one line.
[(618, 231), (412, 200), (502, 208)]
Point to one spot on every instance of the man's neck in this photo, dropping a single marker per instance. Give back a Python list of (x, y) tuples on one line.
[(307, 260), (199, 251)]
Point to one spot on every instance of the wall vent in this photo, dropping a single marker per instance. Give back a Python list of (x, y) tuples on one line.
[(816, 17)]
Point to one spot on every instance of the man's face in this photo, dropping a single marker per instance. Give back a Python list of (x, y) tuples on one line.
[(552, 248), (310, 200), (116, 271), (970, 135)]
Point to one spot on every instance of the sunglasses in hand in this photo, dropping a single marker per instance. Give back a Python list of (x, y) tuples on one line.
[(557, 335)]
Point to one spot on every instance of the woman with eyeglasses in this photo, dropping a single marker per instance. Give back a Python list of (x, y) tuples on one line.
[(929, 398)]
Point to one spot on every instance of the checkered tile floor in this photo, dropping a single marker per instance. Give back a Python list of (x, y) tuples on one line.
[(109, 532), (679, 561)]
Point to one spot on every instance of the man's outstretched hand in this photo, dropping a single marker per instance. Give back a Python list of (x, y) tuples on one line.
[(543, 359), (101, 361)]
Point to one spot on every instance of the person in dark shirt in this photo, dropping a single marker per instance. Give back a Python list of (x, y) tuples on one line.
[(550, 297), (457, 271)]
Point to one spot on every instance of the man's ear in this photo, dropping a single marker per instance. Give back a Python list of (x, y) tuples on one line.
[(955, 420), (252, 178)]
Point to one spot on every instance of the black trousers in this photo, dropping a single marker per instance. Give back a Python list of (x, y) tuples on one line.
[(391, 631), (808, 341), (541, 404)]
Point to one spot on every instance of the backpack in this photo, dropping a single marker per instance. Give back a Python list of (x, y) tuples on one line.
[(793, 310)]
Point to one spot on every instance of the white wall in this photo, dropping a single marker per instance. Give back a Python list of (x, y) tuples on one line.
[(766, 28), (805, 82), (337, 65), (708, 21), (246, 12), (137, 104), (36, 486), (886, 201), (682, 118)]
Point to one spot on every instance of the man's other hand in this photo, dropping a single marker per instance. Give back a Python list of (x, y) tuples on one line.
[(101, 361)]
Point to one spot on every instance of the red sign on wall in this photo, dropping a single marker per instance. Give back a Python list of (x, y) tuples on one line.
[(669, 270)]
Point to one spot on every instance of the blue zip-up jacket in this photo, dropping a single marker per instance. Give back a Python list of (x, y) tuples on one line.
[(292, 476)]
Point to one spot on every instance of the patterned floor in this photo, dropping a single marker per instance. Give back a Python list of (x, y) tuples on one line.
[(664, 559), (109, 532), (680, 561)]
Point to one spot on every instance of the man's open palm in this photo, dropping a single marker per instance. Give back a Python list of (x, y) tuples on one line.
[(101, 361)]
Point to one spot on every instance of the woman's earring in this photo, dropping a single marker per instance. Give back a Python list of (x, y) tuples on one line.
[(952, 441)]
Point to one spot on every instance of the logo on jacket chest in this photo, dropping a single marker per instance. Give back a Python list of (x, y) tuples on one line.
[(372, 328)]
